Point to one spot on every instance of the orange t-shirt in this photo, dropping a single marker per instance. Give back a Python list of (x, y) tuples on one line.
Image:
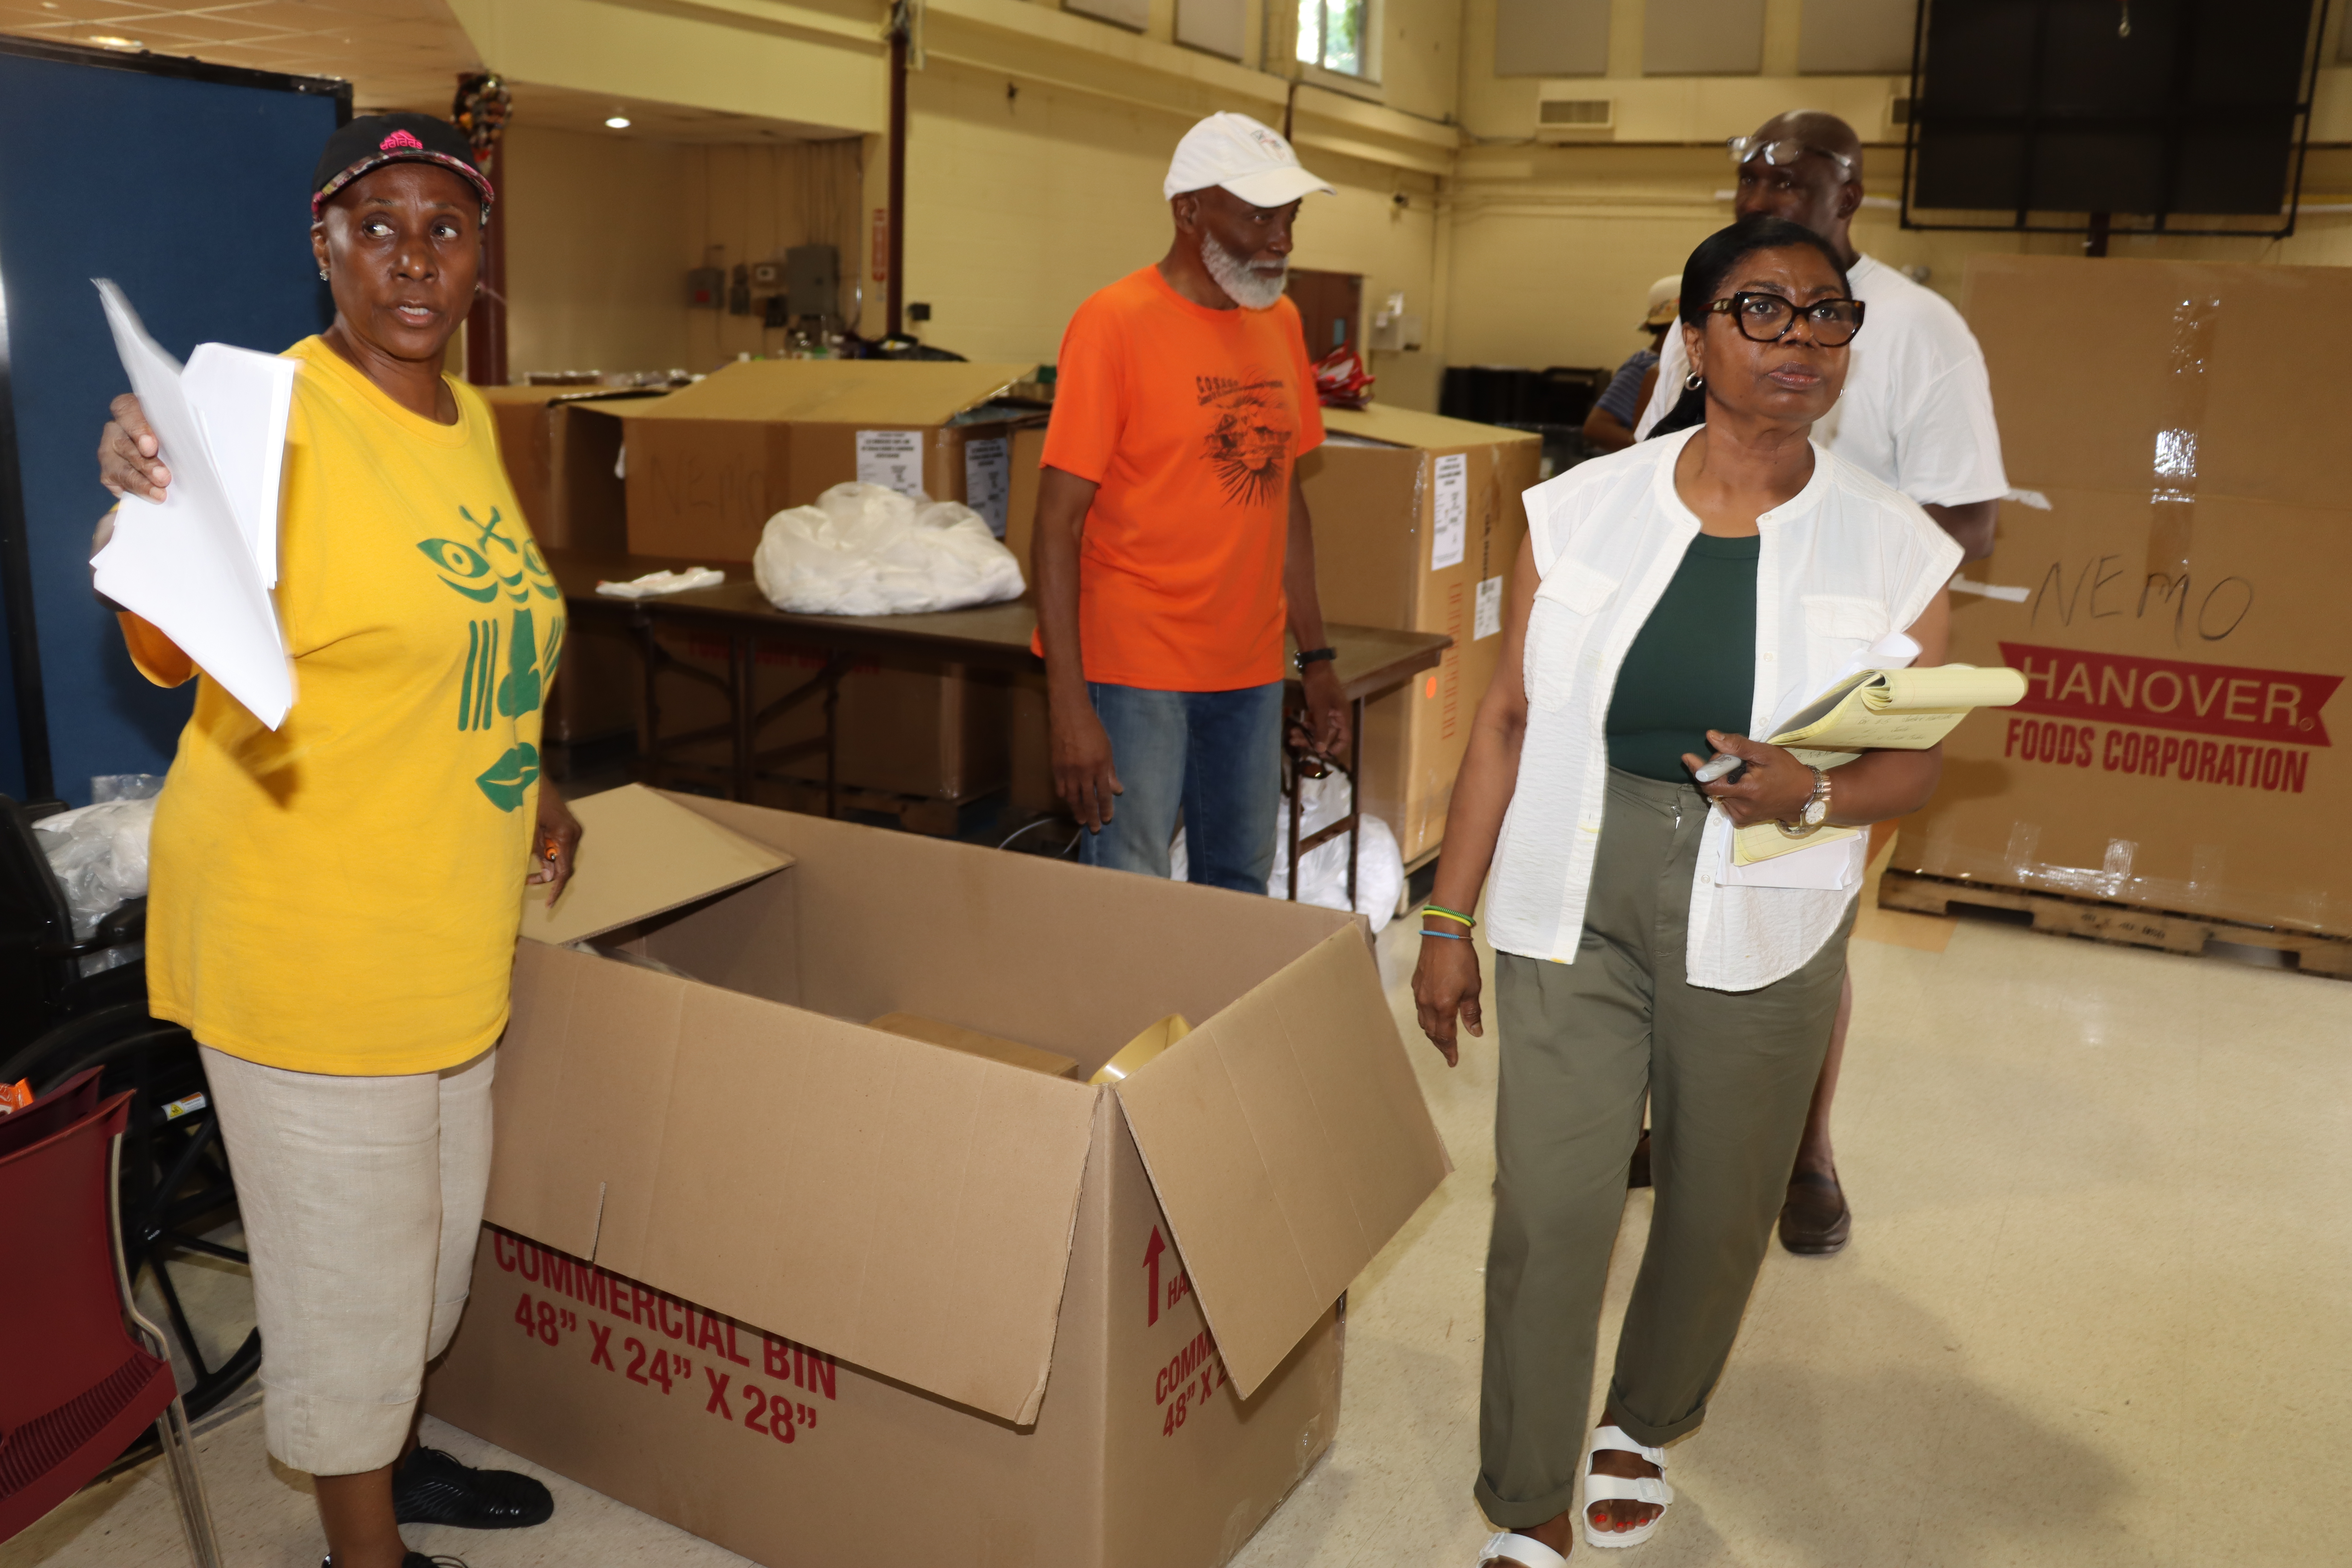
[(1190, 421)]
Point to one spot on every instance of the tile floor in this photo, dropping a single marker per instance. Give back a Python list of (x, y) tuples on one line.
[(2098, 1308)]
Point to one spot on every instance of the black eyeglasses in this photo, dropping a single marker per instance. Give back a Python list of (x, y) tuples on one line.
[(1766, 318)]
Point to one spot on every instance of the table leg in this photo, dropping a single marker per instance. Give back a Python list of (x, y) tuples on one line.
[(1292, 788), (743, 649), (649, 659), (832, 736), (1355, 772)]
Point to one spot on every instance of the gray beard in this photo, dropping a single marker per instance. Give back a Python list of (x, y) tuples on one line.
[(1246, 286)]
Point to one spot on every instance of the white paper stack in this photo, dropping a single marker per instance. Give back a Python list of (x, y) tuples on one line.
[(199, 566)]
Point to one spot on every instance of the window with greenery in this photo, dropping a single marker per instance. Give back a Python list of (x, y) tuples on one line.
[(1332, 34)]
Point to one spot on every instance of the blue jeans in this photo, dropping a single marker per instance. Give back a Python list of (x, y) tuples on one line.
[(1215, 754)]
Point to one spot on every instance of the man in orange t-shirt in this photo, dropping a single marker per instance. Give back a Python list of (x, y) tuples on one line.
[(1172, 541)]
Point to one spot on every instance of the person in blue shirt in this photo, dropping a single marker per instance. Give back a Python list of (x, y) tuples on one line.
[(1610, 426)]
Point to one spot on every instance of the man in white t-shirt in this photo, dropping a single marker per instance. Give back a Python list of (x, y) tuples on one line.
[(1918, 413)]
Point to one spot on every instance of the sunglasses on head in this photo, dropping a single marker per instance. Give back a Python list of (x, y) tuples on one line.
[(1781, 152)]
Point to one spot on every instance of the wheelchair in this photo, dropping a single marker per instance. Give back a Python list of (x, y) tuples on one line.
[(68, 1003)]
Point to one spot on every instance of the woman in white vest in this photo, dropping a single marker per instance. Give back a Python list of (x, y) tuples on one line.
[(1671, 601)]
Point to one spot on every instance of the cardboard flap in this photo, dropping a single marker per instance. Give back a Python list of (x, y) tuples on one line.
[(837, 391), (906, 1207), (641, 856), (1287, 1140), (1411, 427)]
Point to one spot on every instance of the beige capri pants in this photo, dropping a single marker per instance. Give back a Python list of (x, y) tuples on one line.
[(361, 1199)]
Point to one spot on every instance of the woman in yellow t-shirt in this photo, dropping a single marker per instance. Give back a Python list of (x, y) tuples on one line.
[(332, 905)]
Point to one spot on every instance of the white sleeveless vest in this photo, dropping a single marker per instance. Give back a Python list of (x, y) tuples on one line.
[(1842, 564)]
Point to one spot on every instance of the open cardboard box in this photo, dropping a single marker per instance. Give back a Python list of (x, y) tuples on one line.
[(711, 463), (2172, 604), (826, 1294)]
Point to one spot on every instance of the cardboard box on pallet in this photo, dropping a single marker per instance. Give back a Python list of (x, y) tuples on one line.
[(2174, 609), (801, 1285), (1417, 521), (561, 445), (711, 463)]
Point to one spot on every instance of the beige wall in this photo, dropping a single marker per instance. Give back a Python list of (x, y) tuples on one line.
[(1038, 139), (603, 230), (1022, 205), (593, 276), (1553, 249)]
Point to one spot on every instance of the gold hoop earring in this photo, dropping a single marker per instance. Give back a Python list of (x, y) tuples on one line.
[(1693, 382)]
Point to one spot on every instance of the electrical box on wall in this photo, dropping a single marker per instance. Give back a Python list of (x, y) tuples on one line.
[(812, 280), (706, 287)]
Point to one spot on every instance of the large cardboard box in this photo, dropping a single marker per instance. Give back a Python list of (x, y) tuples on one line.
[(561, 445), (2174, 609), (828, 1295), (709, 464), (1418, 519)]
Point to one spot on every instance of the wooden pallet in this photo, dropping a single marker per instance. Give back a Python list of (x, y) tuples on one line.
[(2125, 924)]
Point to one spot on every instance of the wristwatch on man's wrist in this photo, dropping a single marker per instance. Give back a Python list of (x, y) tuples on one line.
[(1307, 656)]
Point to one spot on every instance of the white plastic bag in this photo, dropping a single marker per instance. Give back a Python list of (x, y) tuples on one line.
[(863, 550), (99, 855), (1323, 870)]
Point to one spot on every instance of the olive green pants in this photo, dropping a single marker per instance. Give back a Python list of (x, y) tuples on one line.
[(1727, 1075)]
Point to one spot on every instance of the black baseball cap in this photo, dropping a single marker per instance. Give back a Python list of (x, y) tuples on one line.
[(372, 141)]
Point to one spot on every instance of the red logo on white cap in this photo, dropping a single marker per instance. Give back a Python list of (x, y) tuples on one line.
[(400, 140)]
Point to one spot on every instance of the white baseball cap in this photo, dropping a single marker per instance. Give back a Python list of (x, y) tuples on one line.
[(1665, 299), (1247, 158)]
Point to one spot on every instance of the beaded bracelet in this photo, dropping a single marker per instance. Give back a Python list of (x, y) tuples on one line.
[(1449, 914), (1448, 935)]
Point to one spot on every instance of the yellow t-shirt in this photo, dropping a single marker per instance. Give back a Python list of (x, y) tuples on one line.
[(342, 896)]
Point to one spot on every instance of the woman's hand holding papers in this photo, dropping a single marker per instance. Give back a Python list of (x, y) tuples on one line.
[(126, 454)]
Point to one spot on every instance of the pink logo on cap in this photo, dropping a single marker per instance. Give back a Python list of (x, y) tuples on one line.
[(400, 140)]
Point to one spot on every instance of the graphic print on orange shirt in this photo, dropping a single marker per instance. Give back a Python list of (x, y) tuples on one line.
[(1250, 447)]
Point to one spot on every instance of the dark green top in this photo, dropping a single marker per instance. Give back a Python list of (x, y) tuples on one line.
[(1692, 668)]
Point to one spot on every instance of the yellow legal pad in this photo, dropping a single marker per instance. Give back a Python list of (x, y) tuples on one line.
[(1877, 709)]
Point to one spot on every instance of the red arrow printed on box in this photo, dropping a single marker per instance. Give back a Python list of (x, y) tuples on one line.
[(2281, 706)]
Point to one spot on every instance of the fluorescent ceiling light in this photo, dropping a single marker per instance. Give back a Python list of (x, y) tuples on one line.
[(617, 121), (115, 41)]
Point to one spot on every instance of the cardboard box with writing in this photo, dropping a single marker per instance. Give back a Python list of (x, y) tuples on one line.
[(2173, 609), (1417, 521), (560, 445), (711, 463), (800, 1285)]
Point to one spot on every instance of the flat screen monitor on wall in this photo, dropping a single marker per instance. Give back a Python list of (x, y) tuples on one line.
[(188, 184), (2181, 115)]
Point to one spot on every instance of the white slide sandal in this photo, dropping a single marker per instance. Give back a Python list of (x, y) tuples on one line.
[(1613, 1488), (1524, 1550)]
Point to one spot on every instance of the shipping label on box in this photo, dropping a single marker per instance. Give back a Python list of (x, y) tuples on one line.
[(988, 478), (1450, 528), (891, 458)]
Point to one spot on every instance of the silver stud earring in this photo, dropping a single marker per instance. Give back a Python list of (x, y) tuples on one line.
[(1691, 383), (322, 275)]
